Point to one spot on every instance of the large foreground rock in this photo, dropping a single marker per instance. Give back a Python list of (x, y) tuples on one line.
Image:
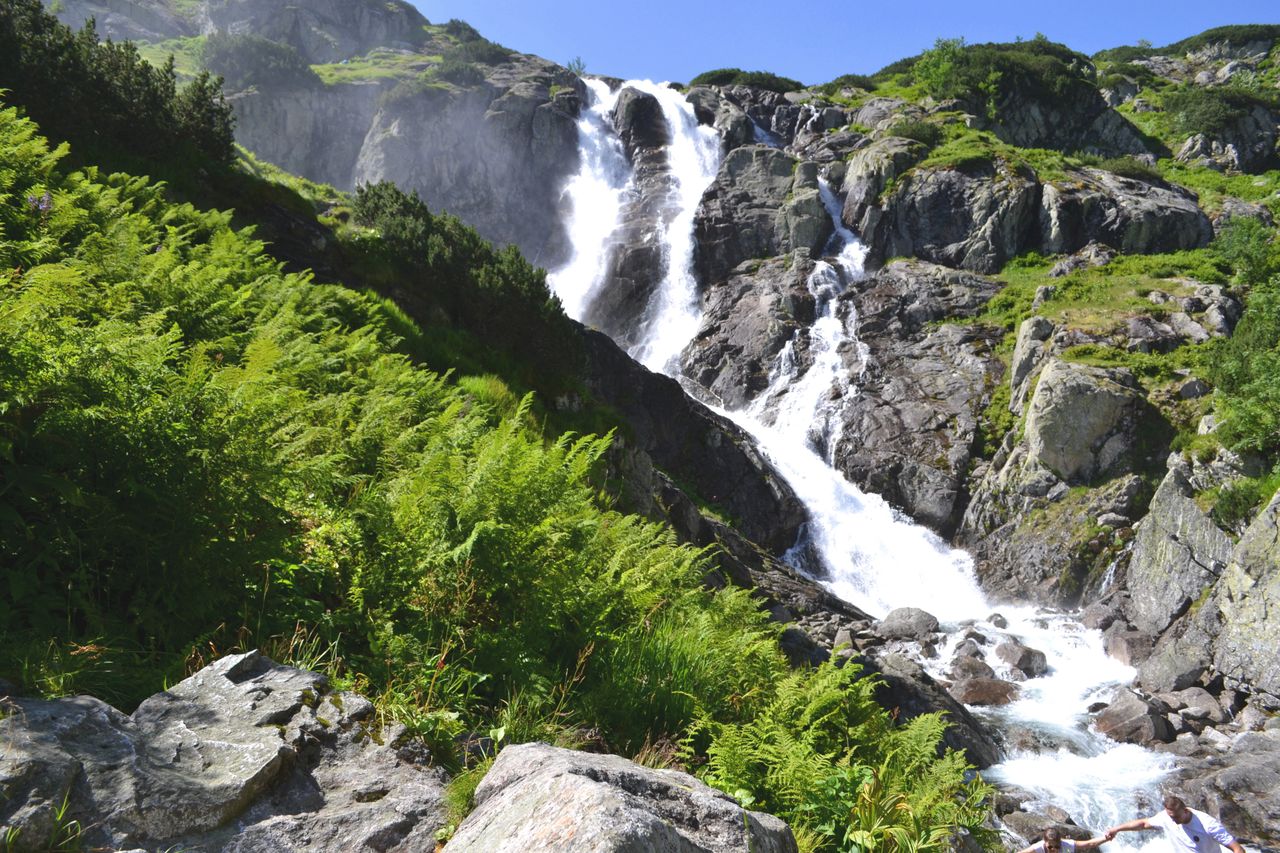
[(245, 755), (539, 797)]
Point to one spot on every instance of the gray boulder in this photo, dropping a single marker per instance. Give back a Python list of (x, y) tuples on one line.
[(1033, 344), (1131, 719), (539, 797), (1178, 554), (1030, 662), (907, 623), (1248, 645), (1081, 420), (869, 171), (1131, 216), (245, 755)]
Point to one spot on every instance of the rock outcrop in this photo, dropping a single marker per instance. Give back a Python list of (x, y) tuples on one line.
[(909, 432), (538, 797), (1124, 213), (763, 203), (975, 218), (1247, 144), (245, 755), (747, 320), (495, 155), (1178, 554)]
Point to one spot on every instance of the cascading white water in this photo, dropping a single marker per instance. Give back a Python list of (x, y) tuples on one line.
[(595, 194), (871, 555), (693, 157)]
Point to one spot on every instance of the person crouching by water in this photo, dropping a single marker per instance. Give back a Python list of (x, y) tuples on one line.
[(1053, 842), (1186, 830)]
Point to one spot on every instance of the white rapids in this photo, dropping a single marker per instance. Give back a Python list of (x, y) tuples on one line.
[(870, 554)]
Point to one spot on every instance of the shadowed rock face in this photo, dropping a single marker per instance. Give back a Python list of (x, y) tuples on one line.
[(245, 755), (539, 797)]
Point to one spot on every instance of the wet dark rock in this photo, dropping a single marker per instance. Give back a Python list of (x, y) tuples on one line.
[(964, 667), (984, 691), (1129, 718), (1031, 662), (747, 320), (687, 441), (908, 435), (909, 690), (760, 205)]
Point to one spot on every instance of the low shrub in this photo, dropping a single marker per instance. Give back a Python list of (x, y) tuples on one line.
[(1196, 109), (737, 77), (921, 131)]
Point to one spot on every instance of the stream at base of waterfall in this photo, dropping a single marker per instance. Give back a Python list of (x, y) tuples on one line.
[(870, 555)]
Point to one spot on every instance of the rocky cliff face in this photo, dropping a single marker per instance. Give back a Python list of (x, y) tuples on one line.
[(320, 30)]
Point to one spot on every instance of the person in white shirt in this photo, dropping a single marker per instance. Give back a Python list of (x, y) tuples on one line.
[(1053, 842), (1186, 830)]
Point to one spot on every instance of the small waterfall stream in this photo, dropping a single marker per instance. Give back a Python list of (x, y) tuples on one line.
[(870, 555)]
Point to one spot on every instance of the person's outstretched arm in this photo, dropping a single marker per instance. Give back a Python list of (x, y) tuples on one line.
[(1034, 848), (1136, 825), (1092, 843)]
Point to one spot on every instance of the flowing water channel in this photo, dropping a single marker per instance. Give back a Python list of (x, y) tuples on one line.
[(870, 555)]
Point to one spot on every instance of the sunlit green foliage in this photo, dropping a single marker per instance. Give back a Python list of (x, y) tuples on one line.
[(824, 756), (987, 74), (1247, 369)]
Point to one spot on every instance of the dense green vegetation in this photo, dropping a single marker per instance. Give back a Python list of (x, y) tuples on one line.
[(987, 74), (1195, 109), (246, 59), (737, 77), (103, 97)]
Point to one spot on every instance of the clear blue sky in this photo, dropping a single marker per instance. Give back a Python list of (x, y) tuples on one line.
[(811, 41)]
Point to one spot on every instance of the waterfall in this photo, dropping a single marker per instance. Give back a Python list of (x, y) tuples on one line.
[(867, 552), (595, 194), (693, 158)]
